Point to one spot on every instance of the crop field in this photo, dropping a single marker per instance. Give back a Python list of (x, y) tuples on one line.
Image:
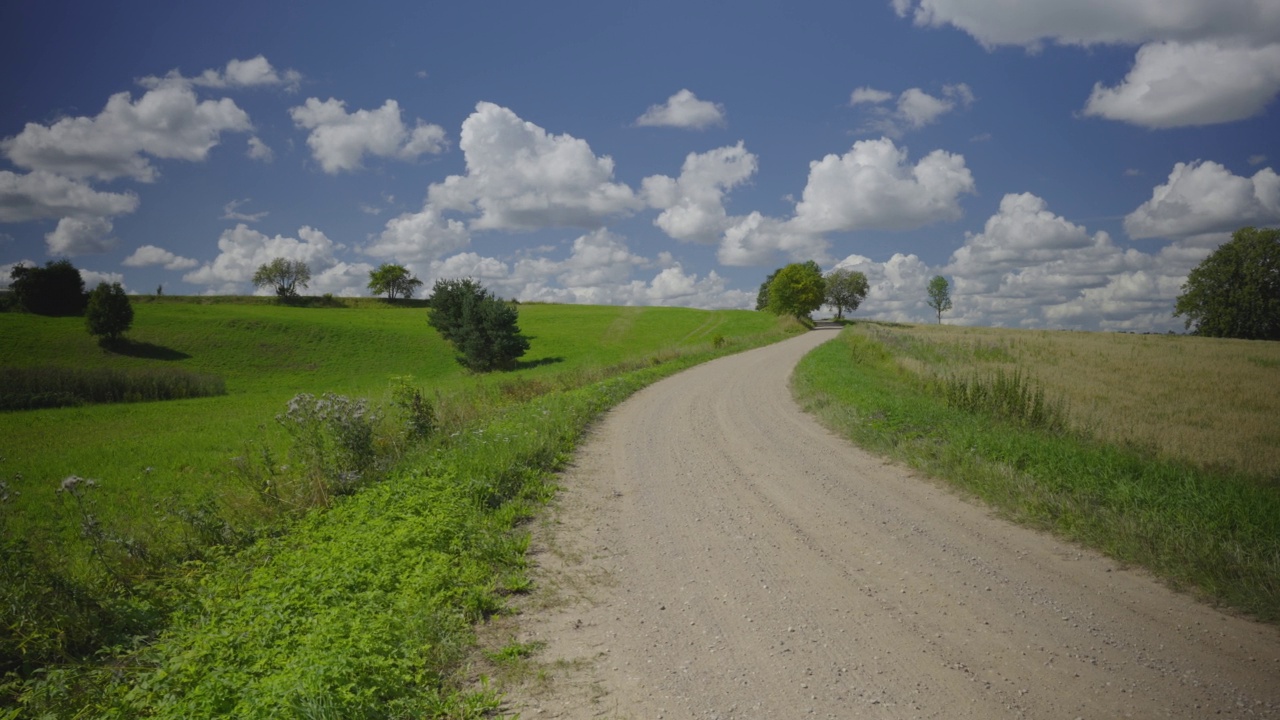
[(1209, 401), (1161, 451)]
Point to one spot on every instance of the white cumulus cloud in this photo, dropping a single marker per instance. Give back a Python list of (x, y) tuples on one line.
[(166, 122), (254, 72), (693, 204), (914, 108), (81, 236), (149, 255), (683, 110), (259, 150), (1174, 84), (521, 177), (339, 140), (39, 195), (242, 250), (1205, 197), (875, 186), (1200, 61), (419, 237)]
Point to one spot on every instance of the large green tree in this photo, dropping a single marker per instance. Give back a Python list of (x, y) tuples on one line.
[(479, 325), (286, 276), (394, 281), (797, 289), (1235, 292), (845, 290), (939, 295), (109, 313), (55, 289)]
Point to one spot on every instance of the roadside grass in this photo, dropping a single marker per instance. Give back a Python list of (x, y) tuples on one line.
[(1212, 527), (358, 606)]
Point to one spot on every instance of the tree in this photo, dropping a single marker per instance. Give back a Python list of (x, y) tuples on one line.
[(939, 295), (109, 313), (845, 290), (286, 276), (762, 297), (797, 289), (55, 289), (479, 325), (1235, 292), (393, 280)]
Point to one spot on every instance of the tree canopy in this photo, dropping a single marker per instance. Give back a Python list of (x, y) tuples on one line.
[(480, 326), (939, 295), (845, 290), (394, 281), (797, 289), (55, 289), (286, 276), (1235, 292), (109, 313)]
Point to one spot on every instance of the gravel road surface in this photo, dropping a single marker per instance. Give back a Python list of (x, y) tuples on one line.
[(716, 553)]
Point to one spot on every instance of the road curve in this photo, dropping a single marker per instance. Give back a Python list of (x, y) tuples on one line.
[(716, 553)]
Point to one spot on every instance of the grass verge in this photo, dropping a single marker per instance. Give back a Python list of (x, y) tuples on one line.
[(1215, 531)]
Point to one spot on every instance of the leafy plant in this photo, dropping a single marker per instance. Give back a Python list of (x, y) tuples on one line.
[(1235, 292), (420, 415), (394, 281), (939, 295), (797, 290), (332, 439), (109, 315), (55, 289), (286, 276), (481, 327), (845, 290)]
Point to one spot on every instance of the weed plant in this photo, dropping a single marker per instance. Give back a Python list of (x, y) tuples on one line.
[(1213, 530)]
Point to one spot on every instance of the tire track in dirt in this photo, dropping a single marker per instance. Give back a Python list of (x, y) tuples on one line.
[(715, 553)]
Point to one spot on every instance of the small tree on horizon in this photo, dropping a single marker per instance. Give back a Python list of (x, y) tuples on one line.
[(939, 295), (393, 280), (109, 314), (846, 289), (286, 276), (1235, 292)]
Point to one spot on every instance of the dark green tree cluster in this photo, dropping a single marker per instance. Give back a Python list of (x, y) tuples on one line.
[(55, 289), (479, 325), (1235, 292)]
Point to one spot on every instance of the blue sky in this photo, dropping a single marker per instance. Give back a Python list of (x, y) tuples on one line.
[(1063, 164)]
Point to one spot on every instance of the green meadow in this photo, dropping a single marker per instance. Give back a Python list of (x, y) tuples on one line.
[(209, 571)]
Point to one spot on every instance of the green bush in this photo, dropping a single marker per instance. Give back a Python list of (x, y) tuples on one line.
[(108, 314), (55, 289), (479, 325)]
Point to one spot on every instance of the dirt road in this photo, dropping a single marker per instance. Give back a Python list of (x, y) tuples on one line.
[(718, 554)]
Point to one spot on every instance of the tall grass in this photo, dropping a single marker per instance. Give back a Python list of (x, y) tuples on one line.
[(30, 388), (1214, 530)]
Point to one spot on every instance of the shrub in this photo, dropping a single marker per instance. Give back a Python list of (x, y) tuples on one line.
[(332, 439), (477, 324), (420, 416), (109, 313)]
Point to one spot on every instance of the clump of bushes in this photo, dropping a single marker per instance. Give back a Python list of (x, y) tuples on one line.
[(46, 387), (1006, 395), (479, 325)]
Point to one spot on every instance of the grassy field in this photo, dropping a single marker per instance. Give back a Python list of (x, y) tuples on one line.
[(1160, 451), (146, 454), (176, 480)]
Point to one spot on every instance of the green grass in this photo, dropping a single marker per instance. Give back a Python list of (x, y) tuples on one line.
[(362, 609), (1215, 531)]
